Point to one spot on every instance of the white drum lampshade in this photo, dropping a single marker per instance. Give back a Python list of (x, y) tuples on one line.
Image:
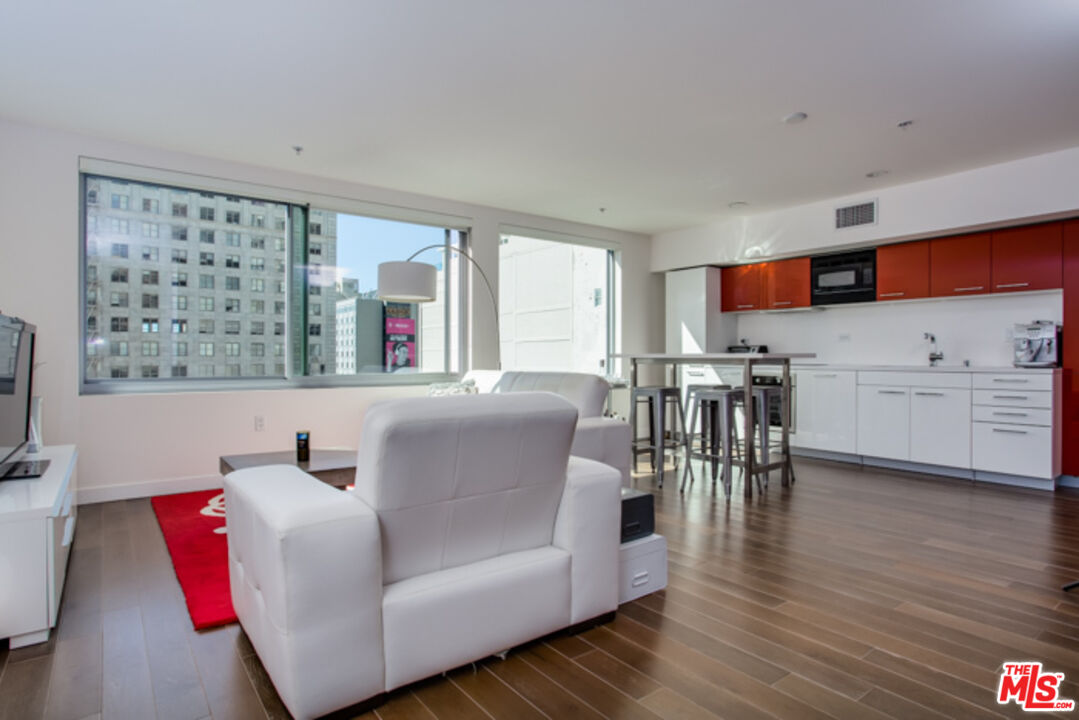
[(411, 282)]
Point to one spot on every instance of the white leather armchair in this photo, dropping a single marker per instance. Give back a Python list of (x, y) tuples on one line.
[(600, 438), (470, 530)]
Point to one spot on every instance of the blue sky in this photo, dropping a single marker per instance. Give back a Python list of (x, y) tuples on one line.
[(363, 243)]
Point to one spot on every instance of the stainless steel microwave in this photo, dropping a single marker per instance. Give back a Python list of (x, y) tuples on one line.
[(843, 278)]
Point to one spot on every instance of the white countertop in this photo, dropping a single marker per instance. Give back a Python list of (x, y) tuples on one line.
[(704, 358), (922, 368)]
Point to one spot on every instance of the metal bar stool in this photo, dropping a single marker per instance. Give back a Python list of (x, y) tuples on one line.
[(724, 433), (709, 410), (658, 399)]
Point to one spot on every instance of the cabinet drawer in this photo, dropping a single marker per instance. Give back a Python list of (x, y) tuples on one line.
[(1013, 381), (1013, 415), (642, 567), (1013, 449), (959, 380), (1014, 398)]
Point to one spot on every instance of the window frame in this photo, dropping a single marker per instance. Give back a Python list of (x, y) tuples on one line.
[(455, 343)]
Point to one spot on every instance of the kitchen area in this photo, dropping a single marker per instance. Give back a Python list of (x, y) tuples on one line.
[(940, 356)]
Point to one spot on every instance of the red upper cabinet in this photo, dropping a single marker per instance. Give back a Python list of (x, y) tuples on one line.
[(960, 265), (740, 287), (903, 271), (785, 283), (1028, 258)]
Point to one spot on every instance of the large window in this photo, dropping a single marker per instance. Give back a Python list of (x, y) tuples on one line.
[(309, 274), (555, 305)]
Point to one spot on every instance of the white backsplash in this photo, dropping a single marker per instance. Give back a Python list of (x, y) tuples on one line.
[(891, 333)]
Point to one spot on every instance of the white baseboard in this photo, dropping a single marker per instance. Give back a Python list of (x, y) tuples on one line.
[(150, 488), (1015, 480), (960, 473), (906, 465)]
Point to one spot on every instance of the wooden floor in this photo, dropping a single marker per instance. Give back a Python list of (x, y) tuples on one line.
[(856, 593)]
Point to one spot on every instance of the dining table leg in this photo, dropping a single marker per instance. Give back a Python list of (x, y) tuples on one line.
[(749, 461), (784, 423)]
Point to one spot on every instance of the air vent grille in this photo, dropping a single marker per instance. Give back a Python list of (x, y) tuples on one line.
[(855, 215)]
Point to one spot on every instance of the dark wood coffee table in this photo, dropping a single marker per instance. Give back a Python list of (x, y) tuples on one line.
[(333, 467)]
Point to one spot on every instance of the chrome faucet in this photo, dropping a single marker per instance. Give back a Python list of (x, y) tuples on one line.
[(935, 355)]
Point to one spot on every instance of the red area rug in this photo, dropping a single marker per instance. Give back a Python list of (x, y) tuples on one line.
[(194, 529)]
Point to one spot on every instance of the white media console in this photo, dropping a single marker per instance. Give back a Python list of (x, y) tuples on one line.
[(37, 526)]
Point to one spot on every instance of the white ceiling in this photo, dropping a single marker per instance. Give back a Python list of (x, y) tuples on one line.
[(661, 111)]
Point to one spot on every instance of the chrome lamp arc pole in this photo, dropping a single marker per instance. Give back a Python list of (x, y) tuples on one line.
[(486, 281)]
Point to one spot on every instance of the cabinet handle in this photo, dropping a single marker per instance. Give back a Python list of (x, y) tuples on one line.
[(1013, 285), (930, 394), (1010, 432), (892, 392), (782, 302), (972, 288), (1011, 380), (640, 578), (826, 375), (743, 307), (893, 294), (1011, 414), (1011, 397)]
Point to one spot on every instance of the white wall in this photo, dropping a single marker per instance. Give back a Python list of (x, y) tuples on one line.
[(1043, 186), (127, 440), (891, 333)]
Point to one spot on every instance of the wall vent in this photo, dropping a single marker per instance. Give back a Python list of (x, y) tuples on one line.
[(856, 215)]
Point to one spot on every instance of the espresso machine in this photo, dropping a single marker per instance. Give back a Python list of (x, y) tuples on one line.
[(1037, 344)]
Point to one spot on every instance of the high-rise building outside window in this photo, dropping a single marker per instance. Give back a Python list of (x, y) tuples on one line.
[(276, 283)]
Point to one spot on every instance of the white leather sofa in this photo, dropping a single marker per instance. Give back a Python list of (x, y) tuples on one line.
[(470, 530), (597, 437)]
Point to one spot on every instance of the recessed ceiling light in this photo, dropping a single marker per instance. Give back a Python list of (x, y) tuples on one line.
[(876, 173), (795, 117), (905, 125), (737, 204)]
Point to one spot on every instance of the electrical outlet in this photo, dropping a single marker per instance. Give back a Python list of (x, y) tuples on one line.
[(260, 423)]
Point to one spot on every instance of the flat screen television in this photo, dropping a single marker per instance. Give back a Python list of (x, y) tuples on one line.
[(16, 380)]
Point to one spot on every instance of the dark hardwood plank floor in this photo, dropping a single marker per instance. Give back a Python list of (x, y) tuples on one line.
[(857, 593)]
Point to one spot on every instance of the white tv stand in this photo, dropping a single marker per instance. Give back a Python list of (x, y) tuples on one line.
[(37, 526)]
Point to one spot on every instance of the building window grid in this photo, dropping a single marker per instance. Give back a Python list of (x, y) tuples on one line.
[(176, 232)]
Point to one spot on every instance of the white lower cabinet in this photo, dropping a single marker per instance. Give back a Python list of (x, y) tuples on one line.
[(940, 426), (884, 421), (1014, 449), (825, 410), (994, 423)]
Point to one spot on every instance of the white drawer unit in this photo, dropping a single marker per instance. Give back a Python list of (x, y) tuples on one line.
[(1015, 398), (37, 527), (1025, 450), (1017, 424), (1013, 415), (1014, 381), (642, 567)]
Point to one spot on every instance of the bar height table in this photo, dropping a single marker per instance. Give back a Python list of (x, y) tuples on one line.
[(747, 361)]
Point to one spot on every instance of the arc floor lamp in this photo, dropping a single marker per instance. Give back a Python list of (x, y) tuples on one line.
[(417, 282)]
